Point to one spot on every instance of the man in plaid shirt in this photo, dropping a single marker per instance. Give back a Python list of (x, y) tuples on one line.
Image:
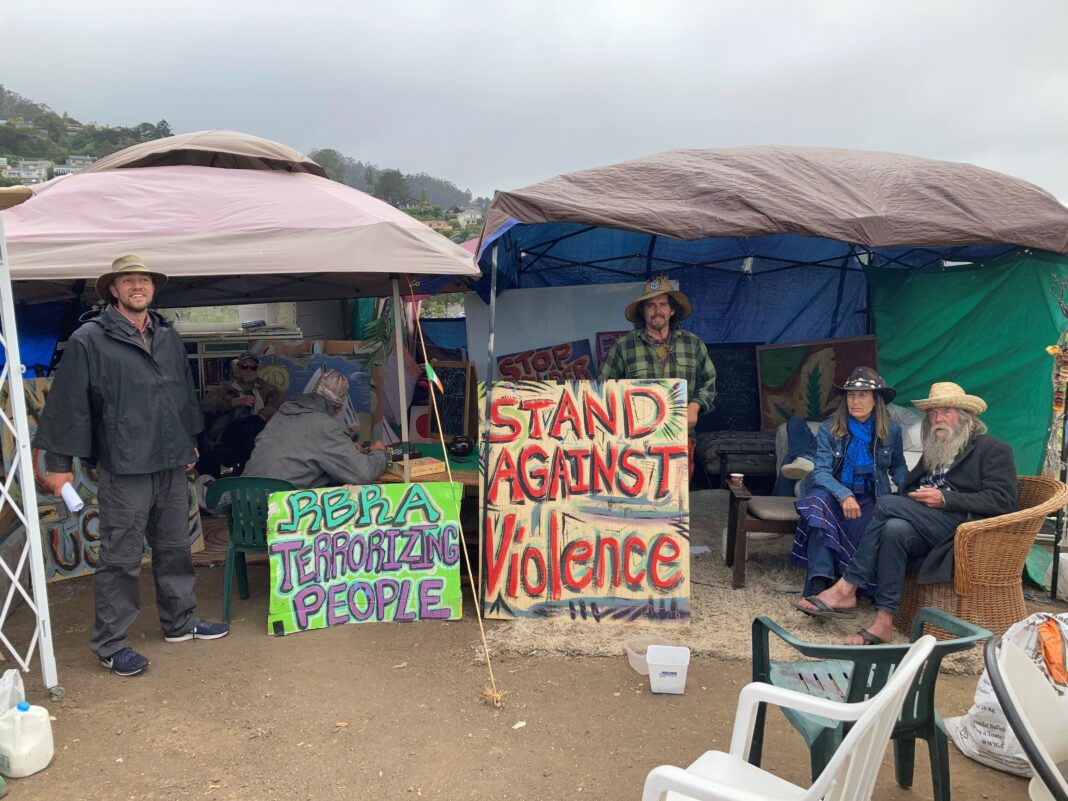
[(658, 348)]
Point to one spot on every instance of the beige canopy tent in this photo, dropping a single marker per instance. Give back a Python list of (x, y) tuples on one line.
[(228, 217)]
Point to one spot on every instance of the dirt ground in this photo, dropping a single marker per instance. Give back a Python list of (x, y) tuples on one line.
[(391, 711)]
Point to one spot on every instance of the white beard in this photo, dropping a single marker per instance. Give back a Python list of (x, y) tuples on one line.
[(941, 452)]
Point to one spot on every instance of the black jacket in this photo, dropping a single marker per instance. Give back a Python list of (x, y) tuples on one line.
[(983, 482), (114, 403)]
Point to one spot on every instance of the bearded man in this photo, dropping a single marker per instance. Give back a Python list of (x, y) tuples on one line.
[(658, 348), (965, 474)]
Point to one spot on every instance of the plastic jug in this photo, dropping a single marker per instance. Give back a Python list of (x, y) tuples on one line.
[(25, 740)]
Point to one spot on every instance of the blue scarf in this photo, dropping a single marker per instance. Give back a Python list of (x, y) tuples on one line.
[(858, 455)]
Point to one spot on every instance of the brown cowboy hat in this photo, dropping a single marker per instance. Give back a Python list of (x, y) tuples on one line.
[(867, 378), (659, 286), (127, 264), (945, 394)]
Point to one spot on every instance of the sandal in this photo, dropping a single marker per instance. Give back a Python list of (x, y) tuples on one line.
[(870, 639), (824, 609)]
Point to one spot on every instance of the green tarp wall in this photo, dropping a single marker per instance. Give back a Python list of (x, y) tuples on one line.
[(985, 327)]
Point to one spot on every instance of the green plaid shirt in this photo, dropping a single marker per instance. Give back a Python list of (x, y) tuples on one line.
[(634, 356)]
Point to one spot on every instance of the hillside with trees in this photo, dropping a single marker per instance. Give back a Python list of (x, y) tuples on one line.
[(34, 131), (392, 185)]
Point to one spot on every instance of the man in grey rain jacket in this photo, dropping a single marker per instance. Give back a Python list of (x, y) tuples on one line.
[(306, 445), (123, 398)]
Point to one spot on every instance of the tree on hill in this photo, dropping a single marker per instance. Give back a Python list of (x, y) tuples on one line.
[(13, 105), (163, 129), (333, 162), (392, 187)]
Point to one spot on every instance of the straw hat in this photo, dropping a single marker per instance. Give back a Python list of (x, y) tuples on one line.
[(947, 394), (867, 378), (658, 286), (123, 265), (333, 386)]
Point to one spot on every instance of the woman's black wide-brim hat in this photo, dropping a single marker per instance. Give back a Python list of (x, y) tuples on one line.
[(867, 378)]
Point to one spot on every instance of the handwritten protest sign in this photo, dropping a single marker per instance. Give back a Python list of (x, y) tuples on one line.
[(552, 363), (587, 501), (363, 554)]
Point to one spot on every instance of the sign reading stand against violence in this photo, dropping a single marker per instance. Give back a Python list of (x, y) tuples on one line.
[(363, 554), (587, 501)]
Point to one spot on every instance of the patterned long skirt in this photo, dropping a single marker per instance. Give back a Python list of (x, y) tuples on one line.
[(825, 540)]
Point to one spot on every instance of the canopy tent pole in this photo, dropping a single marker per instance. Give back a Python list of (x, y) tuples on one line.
[(26, 507), (484, 444), (402, 412), (1061, 518)]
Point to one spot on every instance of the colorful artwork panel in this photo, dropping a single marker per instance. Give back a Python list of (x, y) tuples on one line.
[(799, 378)]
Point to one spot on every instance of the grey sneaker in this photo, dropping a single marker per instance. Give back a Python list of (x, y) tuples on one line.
[(797, 469), (125, 662), (201, 631)]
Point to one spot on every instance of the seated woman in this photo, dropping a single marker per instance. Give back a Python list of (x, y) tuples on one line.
[(858, 451)]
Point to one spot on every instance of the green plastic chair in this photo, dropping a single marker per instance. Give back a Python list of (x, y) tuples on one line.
[(248, 525), (852, 673)]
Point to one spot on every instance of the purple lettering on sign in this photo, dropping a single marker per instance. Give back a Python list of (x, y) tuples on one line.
[(335, 602), (305, 573), (386, 591), (306, 603), (358, 613), (286, 549), (430, 599)]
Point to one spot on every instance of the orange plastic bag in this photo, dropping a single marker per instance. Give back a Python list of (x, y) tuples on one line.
[(1049, 636)]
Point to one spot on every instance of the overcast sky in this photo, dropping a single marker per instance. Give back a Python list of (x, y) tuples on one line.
[(504, 93)]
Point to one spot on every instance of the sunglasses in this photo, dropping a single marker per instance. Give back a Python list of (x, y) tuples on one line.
[(249, 366)]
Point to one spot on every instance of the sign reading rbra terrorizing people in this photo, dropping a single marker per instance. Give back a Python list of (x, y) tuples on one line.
[(363, 554), (587, 501)]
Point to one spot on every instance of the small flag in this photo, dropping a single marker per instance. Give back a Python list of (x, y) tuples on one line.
[(433, 377)]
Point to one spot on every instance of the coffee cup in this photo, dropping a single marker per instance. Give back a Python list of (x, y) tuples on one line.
[(737, 479)]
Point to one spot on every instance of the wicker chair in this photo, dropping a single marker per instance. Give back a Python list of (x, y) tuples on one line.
[(988, 562)]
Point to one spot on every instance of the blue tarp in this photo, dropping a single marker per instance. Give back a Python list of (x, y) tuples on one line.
[(38, 327), (783, 288), (449, 334)]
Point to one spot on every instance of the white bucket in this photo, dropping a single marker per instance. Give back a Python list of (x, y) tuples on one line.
[(25, 740), (667, 668), (636, 648)]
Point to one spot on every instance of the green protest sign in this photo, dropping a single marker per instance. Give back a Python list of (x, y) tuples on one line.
[(364, 554)]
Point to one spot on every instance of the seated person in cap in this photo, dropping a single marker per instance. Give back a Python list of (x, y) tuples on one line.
[(235, 413), (306, 445), (964, 474)]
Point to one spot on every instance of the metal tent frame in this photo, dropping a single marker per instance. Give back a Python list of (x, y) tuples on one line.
[(23, 501)]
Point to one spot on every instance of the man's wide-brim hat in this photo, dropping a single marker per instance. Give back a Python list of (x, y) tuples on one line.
[(652, 288), (122, 266), (866, 378), (946, 394)]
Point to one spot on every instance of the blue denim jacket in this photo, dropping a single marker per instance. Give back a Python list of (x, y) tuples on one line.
[(830, 450)]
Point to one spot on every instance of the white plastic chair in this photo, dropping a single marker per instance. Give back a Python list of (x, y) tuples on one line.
[(1035, 714), (849, 776)]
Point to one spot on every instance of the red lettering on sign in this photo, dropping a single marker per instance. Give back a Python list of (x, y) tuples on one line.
[(634, 428)]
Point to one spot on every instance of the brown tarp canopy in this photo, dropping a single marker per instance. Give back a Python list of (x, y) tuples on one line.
[(872, 199), (226, 149)]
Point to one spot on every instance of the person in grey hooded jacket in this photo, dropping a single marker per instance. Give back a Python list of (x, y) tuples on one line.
[(306, 445)]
